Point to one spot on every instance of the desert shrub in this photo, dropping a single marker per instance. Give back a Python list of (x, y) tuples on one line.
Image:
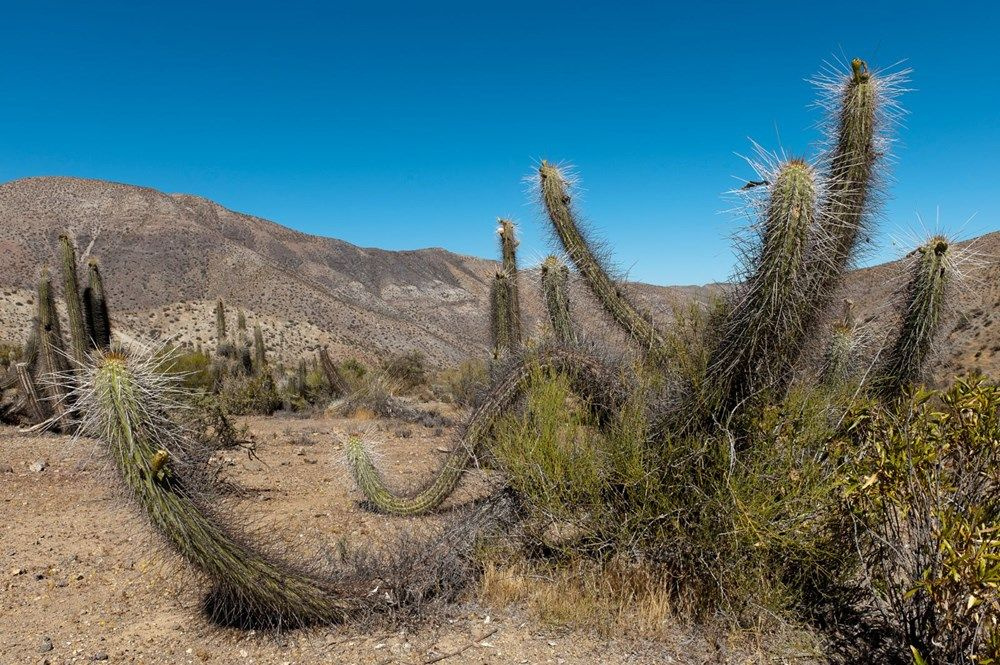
[(407, 370), (923, 490), (354, 370), (461, 385), (245, 394), (213, 426), (722, 532), (193, 369)]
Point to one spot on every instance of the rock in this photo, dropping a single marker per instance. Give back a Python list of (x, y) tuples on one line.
[(6, 468), (38, 466), (404, 433), (46, 645), (100, 655)]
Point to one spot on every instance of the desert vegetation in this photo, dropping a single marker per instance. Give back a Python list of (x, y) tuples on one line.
[(759, 465)]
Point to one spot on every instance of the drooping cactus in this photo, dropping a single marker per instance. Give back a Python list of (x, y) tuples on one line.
[(259, 352), (589, 377), (555, 280), (96, 307), (220, 321), (764, 332), (924, 302), (79, 338), (555, 193)]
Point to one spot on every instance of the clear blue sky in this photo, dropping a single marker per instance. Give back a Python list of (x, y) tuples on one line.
[(412, 124)]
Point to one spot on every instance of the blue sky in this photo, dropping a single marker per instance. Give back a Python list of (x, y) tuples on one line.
[(406, 125)]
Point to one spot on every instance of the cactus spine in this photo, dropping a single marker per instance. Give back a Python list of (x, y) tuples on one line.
[(79, 339), (556, 198), (764, 331), (924, 303), (555, 280), (96, 305)]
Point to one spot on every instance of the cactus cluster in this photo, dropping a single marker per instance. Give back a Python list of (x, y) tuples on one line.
[(47, 360), (811, 216), (810, 220)]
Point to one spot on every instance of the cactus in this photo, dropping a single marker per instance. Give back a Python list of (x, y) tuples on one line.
[(508, 253), (53, 363), (764, 332), (79, 337), (241, 321), (500, 315), (259, 353), (555, 279), (96, 307), (589, 376), (36, 410), (338, 384), (555, 193), (220, 322), (923, 303), (838, 359)]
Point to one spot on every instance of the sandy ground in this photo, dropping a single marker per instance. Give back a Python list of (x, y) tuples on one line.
[(83, 579)]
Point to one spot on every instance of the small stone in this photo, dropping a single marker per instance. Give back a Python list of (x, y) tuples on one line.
[(17, 571), (100, 655), (38, 467), (46, 645), (6, 468)]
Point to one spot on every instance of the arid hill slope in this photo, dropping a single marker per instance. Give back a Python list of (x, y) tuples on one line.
[(167, 257)]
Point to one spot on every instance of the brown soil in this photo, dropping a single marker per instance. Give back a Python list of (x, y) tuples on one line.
[(82, 571)]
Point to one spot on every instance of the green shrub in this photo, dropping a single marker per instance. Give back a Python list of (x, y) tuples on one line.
[(245, 395), (463, 383), (407, 370), (192, 368)]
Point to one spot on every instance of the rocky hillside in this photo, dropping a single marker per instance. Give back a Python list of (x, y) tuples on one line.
[(168, 257)]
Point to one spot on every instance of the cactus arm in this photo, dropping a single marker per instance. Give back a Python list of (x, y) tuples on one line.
[(500, 315), (924, 305), (611, 296), (555, 278), (587, 374), (96, 305), (765, 329), (52, 359), (508, 253), (148, 454)]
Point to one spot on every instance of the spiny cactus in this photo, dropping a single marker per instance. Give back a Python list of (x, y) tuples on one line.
[(241, 321), (555, 280), (590, 378), (501, 306), (53, 360), (555, 193), (259, 352), (764, 332), (220, 321), (508, 253), (96, 307), (29, 393), (79, 338), (839, 357), (924, 301)]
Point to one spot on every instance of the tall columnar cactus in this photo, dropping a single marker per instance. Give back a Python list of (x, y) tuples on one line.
[(839, 357), (220, 321), (508, 253), (96, 307), (924, 302), (500, 314), (555, 281), (766, 327), (241, 321), (300, 377), (53, 362), (259, 352), (79, 338), (555, 192), (589, 376)]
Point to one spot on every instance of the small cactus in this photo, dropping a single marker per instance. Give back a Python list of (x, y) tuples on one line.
[(220, 321), (259, 352)]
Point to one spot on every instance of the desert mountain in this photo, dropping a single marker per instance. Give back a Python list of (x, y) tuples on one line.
[(167, 257)]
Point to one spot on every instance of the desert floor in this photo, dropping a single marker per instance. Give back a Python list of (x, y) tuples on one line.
[(83, 578)]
